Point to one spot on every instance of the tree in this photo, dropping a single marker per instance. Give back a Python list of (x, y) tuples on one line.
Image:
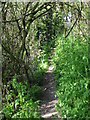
[(20, 20)]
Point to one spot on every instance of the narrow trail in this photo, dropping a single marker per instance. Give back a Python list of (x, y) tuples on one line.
[(47, 106)]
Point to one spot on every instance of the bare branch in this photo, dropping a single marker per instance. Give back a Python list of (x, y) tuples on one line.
[(71, 28)]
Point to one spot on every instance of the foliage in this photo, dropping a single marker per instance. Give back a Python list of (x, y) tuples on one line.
[(71, 75), (29, 32), (21, 100), (23, 104), (20, 50)]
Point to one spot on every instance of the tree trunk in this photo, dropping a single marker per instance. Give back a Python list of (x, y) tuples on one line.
[(0, 67)]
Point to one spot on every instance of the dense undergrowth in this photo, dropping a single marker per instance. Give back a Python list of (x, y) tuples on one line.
[(71, 71), (21, 101), (28, 33)]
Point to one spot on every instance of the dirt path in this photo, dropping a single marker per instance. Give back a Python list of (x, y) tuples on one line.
[(47, 107)]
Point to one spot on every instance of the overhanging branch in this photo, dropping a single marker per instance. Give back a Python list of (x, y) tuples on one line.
[(71, 27)]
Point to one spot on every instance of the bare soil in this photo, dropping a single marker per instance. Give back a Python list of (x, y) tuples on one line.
[(47, 107)]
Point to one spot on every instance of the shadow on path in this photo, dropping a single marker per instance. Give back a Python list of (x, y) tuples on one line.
[(47, 106)]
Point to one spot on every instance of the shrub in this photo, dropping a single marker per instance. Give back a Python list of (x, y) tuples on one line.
[(71, 75), (24, 104)]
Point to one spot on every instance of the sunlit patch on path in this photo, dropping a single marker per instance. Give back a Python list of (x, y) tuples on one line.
[(47, 107)]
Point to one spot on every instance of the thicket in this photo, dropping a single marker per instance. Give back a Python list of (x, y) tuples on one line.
[(19, 99), (71, 71), (28, 34), (24, 60)]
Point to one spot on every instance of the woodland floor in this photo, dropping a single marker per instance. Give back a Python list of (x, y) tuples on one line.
[(47, 106)]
